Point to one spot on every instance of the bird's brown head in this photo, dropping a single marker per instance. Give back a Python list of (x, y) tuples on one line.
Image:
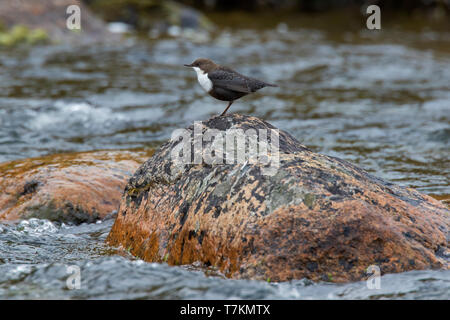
[(205, 64)]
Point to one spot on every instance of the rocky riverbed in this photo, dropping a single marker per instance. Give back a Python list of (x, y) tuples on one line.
[(311, 216)]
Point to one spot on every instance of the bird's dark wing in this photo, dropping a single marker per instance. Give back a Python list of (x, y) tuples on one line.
[(231, 80)]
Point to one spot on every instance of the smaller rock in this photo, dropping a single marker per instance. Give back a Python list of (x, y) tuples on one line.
[(119, 27), (70, 188)]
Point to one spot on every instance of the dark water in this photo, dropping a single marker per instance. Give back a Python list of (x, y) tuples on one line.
[(380, 100)]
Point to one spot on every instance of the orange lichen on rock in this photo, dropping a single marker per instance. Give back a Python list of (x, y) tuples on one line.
[(316, 217), (72, 187)]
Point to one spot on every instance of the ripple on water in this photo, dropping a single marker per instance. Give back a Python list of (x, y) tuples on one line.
[(120, 278), (41, 241)]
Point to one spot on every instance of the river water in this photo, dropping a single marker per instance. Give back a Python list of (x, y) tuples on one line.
[(378, 99)]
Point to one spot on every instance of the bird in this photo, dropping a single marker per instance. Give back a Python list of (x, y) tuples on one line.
[(223, 83)]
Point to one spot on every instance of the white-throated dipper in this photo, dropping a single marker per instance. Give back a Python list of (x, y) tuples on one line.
[(224, 83)]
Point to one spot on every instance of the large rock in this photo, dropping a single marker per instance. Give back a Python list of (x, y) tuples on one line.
[(317, 216), (71, 187)]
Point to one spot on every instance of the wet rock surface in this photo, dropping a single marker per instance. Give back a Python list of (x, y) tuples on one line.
[(316, 217), (70, 188)]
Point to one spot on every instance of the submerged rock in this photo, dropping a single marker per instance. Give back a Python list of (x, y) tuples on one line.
[(313, 216), (71, 188)]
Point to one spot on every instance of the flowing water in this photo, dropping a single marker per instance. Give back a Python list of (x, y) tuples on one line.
[(378, 99), (36, 256)]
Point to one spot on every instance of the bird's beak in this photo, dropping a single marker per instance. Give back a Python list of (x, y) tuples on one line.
[(188, 65)]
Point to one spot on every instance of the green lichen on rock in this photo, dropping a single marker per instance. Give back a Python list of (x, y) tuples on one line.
[(20, 34), (309, 200)]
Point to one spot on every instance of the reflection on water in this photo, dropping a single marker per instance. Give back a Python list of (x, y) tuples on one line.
[(380, 100)]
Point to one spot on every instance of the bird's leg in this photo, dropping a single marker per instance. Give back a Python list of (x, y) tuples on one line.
[(225, 111)]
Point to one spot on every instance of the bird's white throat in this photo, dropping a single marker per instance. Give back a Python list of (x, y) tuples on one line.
[(203, 79)]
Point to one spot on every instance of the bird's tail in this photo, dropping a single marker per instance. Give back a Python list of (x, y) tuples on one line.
[(270, 84)]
